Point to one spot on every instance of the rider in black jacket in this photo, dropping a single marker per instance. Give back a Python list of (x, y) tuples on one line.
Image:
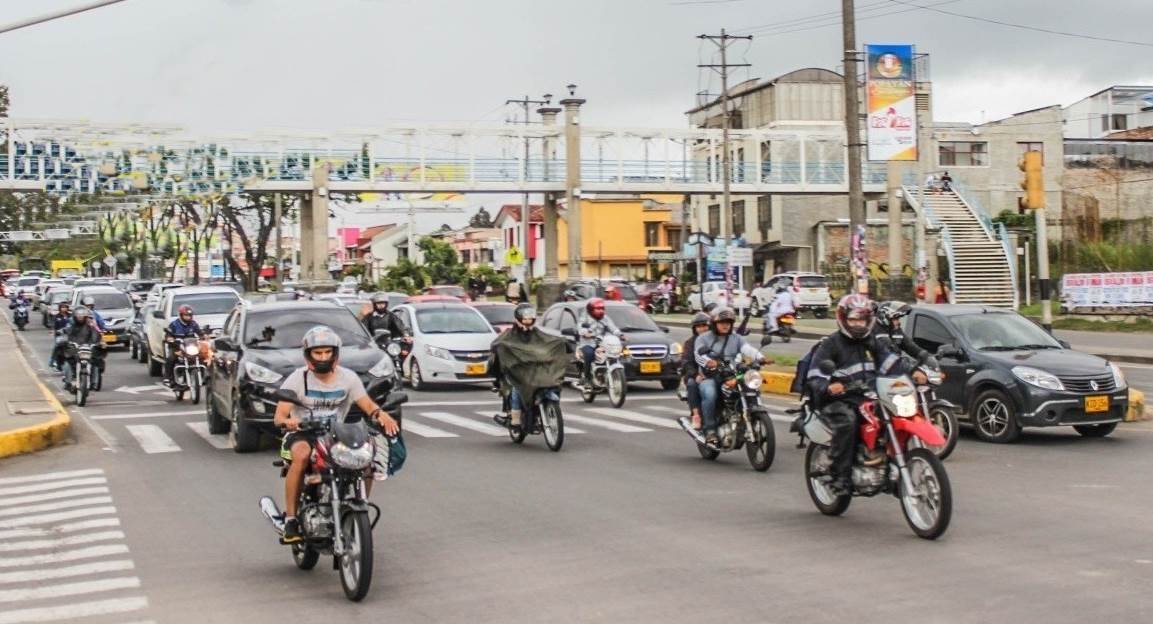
[(82, 331), (381, 318)]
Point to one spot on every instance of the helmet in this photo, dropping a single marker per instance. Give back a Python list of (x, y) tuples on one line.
[(184, 309), (700, 319), (379, 298), (320, 337), (80, 313), (524, 312), (889, 313), (723, 314), (570, 295), (855, 307), (596, 307), (89, 301)]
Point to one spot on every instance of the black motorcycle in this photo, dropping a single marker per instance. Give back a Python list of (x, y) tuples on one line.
[(741, 419), (542, 416)]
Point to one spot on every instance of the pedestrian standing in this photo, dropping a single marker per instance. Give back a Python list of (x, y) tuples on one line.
[(947, 182), (942, 292)]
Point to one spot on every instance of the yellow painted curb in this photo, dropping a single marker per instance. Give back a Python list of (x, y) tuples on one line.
[(777, 383), (43, 435), (1136, 406)]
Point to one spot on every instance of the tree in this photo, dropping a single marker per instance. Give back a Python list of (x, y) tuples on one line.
[(441, 261), (481, 219), (249, 219), (444, 227), (405, 276)]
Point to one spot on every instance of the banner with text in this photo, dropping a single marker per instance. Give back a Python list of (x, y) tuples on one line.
[(1090, 290), (890, 93)]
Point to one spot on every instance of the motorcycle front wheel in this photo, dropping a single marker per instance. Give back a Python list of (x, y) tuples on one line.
[(618, 387), (82, 383), (927, 500), (356, 562), (823, 497), (762, 452), (194, 393), (552, 421)]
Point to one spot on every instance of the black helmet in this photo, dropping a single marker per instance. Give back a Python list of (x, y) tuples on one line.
[(700, 318)]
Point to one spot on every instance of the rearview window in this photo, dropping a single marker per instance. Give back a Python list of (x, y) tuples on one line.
[(812, 281), (215, 303)]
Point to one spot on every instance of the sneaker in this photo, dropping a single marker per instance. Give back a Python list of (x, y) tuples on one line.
[(291, 532), (711, 438)]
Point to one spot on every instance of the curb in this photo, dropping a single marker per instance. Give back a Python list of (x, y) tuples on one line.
[(41, 436)]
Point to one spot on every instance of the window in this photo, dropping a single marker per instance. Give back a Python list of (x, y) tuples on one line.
[(963, 154), (930, 334), (568, 320), (739, 218), (1120, 121), (674, 237), (715, 219), (764, 215), (652, 234), (739, 166), (1023, 147)]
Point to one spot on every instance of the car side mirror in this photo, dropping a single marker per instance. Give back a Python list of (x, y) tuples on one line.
[(569, 332), (158, 314), (951, 351), (1065, 344), (223, 344)]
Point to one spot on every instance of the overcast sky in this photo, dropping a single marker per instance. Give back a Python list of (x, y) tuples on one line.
[(319, 64)]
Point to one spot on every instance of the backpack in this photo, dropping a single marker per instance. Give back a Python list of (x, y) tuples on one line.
[(803, 366)]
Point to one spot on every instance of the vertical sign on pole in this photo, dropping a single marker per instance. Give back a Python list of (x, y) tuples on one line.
[(890, 91)]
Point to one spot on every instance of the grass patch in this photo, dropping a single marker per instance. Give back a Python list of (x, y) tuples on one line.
[(1142, 326), (784, 360)]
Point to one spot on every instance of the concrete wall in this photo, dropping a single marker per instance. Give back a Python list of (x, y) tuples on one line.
[(1119, 193)]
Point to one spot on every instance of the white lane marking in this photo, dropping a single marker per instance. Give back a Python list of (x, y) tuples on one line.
[(69, 589), (606, 424), (424, 431), (35, 498), (645, 419), (152, 439), (52, 476), (68, 555), (667, 410), (53, 485), (465, 423), (143, 415), (219, 441), (74, 540), (567, 429), (83, 569), (72, 527), (75, 610), (57, 506), (56, 517)]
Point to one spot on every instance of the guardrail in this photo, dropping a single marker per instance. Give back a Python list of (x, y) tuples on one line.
[(947, 240), (1011, 258)]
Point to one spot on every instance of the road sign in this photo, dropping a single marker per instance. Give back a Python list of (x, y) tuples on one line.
[(514, 256), (664, 256), (741, 256), (110, 261), (96, 264), (718, 254)]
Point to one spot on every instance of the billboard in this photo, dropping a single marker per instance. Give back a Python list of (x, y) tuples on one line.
[(890, 87)]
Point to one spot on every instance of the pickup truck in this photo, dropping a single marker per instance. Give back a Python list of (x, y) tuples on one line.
[(210, 306)]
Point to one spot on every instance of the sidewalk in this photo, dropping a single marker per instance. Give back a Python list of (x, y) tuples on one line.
[(31, 418)]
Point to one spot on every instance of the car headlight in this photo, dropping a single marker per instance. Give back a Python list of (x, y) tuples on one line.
[(437, 352), (753, 379), (383, 368), (1118, 376), (351, 458), (677, 348), (1038, 378), (261, 374), (393, 349)]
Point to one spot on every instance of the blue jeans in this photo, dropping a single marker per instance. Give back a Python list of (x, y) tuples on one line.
[(588, 354), (709, 394), (515, 403)]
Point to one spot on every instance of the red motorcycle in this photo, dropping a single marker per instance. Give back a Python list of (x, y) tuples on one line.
[(883, 463)]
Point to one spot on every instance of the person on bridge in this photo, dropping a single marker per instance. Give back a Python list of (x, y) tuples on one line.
[(327, 391), (719, 344), (81, 331), (181, 327), (594, 324)]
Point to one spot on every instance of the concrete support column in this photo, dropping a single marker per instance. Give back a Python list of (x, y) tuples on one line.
[(551, 237), (314, 229), (572, 138)]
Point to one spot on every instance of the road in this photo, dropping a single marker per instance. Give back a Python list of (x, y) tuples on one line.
[(626, 523)]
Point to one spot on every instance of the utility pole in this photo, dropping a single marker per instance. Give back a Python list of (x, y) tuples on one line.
[(525, 211), (853, 136), (722, 41), (277, 217)]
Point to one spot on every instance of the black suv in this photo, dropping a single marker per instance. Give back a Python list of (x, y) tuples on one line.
[(1007, 373), (589, 288), (260, 345), (650, 355)]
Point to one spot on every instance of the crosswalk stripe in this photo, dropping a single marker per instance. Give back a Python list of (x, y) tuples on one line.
[(143, 415), (606, 424), (68, 555), (69, 589), (219, 441), (52, 485), (465, 423), (57, 506), (52, 476), (567, 429), (44, 574), (635, 417), (424, 431), (56, 517), (152, 439), (75, 610), (35, 498), (74, 540), (71, 527), (667, 410)]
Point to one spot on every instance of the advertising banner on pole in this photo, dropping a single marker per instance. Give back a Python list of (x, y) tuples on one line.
[(890, 93)]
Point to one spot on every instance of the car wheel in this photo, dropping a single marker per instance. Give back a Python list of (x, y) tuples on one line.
[(415, 380), (245, 436), (155, 369), (670, 384), (217, 423), (1095, 431), (994, 418)]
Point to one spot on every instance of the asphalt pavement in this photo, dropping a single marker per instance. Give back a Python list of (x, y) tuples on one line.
[(148, 518)]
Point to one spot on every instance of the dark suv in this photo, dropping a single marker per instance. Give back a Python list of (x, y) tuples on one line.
[(260, 345), (589, 288), (1008, 373), (650, 355)]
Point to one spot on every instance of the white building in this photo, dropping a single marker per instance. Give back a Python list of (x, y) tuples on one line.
[(1116, 109)]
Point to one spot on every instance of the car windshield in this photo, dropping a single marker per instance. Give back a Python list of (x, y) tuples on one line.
[(628, 293), (1003, 332), (812, 281), (109, 300), (278, 330), (28, 281), (139, 287), (451, 320), (630, 319), (119, 284), (215, 303), (57, 295), (497, 314)]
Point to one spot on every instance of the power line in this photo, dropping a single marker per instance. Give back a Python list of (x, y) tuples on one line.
[(825, 20), (987, 20)]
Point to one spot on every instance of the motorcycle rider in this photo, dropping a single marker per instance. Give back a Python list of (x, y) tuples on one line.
[(329, 390), (690, 373), (719, 344), (181, 327), (81, 331), (781, 305), (594, 324), (523, 329), (90, 303), (19, 301), (380, 317), (59, 322), (857, 355)]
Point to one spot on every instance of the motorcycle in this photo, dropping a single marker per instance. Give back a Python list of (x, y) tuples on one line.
[(86, 372), (397, 348), (786, 329), (883, 462), (333, 507), (20, 316), (606, 374), (941, 413), (544, 417), (188, 371), (741, 419), (659, 303)]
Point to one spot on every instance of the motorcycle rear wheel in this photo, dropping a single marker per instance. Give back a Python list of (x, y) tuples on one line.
[(945, 421), (552, 422), (826, 501), (929, 510), (517, 434), (304, 557), (356, 562)]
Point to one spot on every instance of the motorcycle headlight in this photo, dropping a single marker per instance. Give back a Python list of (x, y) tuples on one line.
[(1118, 376), (261, 374), (614, 351), (753, 380), (191, 349), (906, 404), (677, 348), (383, 368), (393, 349), (437, 352), (350, 458), (1037, 377)]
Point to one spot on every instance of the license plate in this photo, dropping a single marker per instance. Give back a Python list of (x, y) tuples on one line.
[(109, 337), (651, 367), (475, 369), (1095, 404)]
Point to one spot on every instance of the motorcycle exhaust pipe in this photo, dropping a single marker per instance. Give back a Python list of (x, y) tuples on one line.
[(272, 512)]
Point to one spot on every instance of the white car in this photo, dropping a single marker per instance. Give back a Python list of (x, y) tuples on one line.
[(810, 292), (714, 292), (210, 307), (157, 291), (451, 342)]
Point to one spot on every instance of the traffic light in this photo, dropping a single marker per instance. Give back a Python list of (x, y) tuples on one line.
[(1034, 182)]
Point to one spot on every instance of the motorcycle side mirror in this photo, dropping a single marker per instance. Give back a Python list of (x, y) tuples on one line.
[(1064, 344), (394, 400), (287, 396), (827, 367), (664, 328), (223, 344)]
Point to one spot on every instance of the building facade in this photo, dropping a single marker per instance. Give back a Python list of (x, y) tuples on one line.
[(1117, 109)]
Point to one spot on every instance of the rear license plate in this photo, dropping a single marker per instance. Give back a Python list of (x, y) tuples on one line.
[(475, 369), (109, 337), (1096, 404), (651, 368)]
